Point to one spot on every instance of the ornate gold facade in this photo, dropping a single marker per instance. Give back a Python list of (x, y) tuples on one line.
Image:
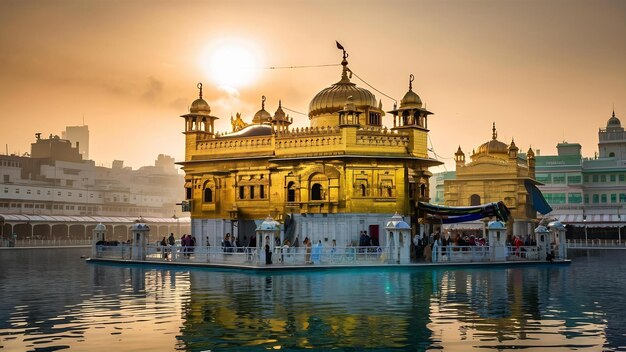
[(345, 163), (496, 173)]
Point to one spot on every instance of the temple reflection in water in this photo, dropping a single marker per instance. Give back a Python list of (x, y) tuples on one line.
[(405, 308)]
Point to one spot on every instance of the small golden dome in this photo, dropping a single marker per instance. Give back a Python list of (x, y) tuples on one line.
[(494, 146), (411, 99), (200, 106), (262, 115)]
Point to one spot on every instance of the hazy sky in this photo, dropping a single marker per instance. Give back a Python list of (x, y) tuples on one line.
[(544, 71)]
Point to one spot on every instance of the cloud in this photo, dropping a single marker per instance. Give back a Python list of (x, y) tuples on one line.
[(154, 90)]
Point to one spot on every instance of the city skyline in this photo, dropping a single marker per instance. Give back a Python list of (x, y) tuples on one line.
[(544, 72)]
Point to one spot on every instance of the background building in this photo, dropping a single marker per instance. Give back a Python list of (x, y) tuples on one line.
[(78, 136), (496, 172), (55, 181), (588, 194)]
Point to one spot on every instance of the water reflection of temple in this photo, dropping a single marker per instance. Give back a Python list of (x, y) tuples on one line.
[(403, 308)]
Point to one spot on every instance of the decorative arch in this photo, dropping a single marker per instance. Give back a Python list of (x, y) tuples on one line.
[(291, 192), (475, 199), (317, 191), (208, 195), (327, 170)]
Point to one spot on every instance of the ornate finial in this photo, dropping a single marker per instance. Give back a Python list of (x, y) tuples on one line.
[(613, 110), (495, 134), (344, 63), (280, 103), (411, 78), (200, 87), (263, 102), (340, 47)]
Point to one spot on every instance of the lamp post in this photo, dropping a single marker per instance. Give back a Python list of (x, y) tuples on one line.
[(585, 223), (619, 227), (177, 225)]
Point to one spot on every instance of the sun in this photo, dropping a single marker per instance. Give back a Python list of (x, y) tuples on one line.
[(232, 64)]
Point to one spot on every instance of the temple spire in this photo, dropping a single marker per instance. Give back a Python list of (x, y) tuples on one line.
[(494, 133), (344, 63), (411, 79), (200, 88)]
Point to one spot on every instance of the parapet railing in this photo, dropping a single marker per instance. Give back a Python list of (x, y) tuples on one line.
[(250, 255), (316, 254), (590, 243), (44, 243)]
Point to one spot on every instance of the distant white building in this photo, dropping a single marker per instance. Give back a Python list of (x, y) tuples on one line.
[(56, 181), (78, 136)]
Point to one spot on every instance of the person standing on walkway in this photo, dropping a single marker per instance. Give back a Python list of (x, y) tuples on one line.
[(163, 245), (307, 257)]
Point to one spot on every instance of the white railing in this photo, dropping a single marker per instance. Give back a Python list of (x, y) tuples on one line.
[(460, 254), (120, 251), (44, 243), (596, 243), (248, 255), (315, 255), (523, 253)]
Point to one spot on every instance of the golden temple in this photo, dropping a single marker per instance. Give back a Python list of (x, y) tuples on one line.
[(344, 173), (496, 172)]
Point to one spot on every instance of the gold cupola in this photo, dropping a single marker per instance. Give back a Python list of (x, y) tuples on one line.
[(281, 121), (494, 146), (262, 116), (199, 119), (325, 106), (410, 114)]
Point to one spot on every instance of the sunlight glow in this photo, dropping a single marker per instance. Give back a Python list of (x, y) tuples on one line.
[(231, 64)]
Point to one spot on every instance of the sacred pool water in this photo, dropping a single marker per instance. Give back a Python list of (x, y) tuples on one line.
[(51, 299)]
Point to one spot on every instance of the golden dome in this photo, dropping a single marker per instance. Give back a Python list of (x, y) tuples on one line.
[(411, 99), (494, 146), (262, 115), (332, 99), (200, 106)]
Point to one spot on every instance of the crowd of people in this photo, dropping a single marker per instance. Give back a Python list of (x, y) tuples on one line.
[(187, 242)]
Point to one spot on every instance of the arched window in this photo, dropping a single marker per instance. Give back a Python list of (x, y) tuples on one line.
[(291, 192), (474, 199), (422, 190), (363, 190), (611, 155), (208, 195), (316, 192)]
